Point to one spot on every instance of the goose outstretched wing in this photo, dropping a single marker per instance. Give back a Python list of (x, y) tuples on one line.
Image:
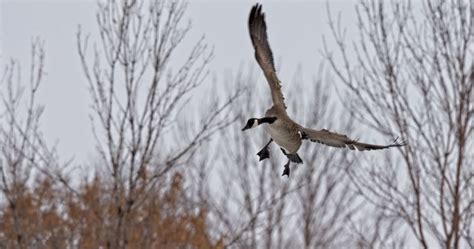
[(263, 53), (341, 141)]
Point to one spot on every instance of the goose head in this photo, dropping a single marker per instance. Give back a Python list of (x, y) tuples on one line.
[(251, 123)]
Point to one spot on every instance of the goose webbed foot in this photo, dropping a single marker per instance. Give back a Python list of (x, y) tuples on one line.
[(264, 153), (286, 170), (292, 157)]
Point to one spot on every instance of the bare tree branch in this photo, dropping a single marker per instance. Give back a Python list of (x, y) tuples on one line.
[(412, 77)]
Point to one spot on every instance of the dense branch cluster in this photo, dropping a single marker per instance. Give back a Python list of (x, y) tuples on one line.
[(413, 76)]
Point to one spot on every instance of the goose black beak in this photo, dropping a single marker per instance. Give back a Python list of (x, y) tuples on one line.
[(245, 128)]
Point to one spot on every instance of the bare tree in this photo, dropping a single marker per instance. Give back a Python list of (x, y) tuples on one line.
[(412, 76), (372, 228), (139, 84), (249, 207), (23, 151), (326, 200), (37, 211)]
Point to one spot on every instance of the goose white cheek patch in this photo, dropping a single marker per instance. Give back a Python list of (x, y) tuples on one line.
[(255, 124)]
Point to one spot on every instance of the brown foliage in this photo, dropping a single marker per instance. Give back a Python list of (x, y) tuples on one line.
[(50, 217), (38, 219)]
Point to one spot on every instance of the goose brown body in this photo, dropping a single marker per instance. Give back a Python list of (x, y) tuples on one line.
[(283, 131)]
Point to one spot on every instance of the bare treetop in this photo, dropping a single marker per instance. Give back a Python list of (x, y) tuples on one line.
[(412, 75)]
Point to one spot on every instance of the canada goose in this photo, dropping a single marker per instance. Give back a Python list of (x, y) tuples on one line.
[(282, 129)]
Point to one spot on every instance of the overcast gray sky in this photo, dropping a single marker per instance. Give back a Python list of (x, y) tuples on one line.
[(295, 33)]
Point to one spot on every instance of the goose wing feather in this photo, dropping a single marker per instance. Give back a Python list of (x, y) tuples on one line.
[(342, 141), (263, 53)]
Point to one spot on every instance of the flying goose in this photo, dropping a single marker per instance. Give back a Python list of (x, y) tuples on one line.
[(282, 129)]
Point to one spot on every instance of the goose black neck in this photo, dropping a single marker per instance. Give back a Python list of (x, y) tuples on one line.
[(268, 120)]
